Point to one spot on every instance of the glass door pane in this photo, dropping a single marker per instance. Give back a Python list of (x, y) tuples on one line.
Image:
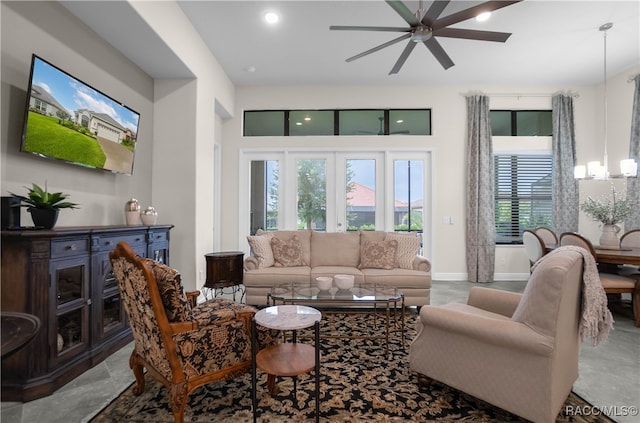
[(408, 195), (264, 195), (360, 194), (312, 194)]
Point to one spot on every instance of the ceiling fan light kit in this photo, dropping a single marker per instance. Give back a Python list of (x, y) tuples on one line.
[(424, 27)]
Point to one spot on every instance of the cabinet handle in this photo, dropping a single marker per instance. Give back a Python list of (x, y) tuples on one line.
[(72, 247), (89, 301), (109, 243)]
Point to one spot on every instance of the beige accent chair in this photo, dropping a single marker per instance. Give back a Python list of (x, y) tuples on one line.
[(547, 235), (516, 351), (533, 246), (612, 283)]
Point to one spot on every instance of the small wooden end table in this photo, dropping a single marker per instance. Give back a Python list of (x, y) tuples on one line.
[(224, 270), (288, 358)]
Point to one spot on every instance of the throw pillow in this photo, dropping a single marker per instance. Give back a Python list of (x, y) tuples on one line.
[(378, 255), (176, 304), (408, 248), (261, 248), (287, 253)]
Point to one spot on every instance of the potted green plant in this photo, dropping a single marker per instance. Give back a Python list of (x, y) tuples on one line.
[(43, 205), (609, 213)]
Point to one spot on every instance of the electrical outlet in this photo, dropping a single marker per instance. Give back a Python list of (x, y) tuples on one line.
[(200, 275)]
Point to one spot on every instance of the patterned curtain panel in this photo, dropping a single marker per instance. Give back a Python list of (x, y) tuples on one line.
[(633, 184), (481, 231), (565, 196)]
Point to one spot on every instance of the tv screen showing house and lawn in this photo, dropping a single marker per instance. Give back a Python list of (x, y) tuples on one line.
[(69, 120)]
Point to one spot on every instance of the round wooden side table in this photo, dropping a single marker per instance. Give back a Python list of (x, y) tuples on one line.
[(288, 358)]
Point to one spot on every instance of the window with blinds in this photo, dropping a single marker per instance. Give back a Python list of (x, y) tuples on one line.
[(522, 194)]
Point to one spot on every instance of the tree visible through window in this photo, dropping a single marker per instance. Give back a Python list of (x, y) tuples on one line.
[(312, 194)]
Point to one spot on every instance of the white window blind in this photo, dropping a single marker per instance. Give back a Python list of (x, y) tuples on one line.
[(522, 194)]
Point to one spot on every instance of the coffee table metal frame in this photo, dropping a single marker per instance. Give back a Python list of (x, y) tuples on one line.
[(308, 293), (286, 318)]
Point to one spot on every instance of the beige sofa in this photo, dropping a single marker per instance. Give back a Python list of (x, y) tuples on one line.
[(373, 257)]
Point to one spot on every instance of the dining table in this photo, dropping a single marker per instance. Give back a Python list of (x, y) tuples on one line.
[(612, 255)]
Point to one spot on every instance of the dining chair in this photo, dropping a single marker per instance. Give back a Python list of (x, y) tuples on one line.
[(547, 235), (612, 283), (533, 246), (630, 239)]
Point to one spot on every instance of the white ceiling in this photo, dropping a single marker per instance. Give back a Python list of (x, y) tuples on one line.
[(553, 42)]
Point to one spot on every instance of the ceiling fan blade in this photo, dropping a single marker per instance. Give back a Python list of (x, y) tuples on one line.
[(380, 47), (436, 49), (404, 12), (472, 12), (471, 34), (434, 12), (370, 28), (403, 57)]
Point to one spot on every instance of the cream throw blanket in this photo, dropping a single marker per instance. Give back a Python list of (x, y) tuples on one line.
[(596, 321)]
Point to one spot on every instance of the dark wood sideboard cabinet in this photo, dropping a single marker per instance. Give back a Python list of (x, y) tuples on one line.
[(63, 276)]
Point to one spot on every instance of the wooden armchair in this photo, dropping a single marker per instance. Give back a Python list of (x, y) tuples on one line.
[(181, 344)]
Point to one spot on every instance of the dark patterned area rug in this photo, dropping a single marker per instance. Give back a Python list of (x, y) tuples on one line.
[(359, 381)]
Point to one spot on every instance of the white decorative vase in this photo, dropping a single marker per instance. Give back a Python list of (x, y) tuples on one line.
[(132, 212), (609, 237), (149, 216)]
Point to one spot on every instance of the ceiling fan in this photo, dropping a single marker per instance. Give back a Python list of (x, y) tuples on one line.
[(424, 27)]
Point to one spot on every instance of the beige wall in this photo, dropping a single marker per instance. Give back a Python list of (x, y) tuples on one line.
[(49, 31), (447, 144), (175, 166)]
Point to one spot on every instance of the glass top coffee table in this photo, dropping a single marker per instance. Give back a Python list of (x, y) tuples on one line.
[(374, 299)]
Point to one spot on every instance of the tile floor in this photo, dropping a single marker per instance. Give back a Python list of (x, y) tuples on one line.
[(609, 373)]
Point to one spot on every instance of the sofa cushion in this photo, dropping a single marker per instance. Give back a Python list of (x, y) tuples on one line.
[(287, 253), (261, 249), (335, 249), (408, 248), (304, 236), (174, 300), (379, 255)]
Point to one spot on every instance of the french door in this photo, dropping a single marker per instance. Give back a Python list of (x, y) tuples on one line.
[(336, 190)]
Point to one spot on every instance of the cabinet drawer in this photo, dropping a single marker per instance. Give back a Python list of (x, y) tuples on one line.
[(157, 237), (68, 247), (109, 243)]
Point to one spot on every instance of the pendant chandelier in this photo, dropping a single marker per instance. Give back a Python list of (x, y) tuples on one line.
[(594, 170)]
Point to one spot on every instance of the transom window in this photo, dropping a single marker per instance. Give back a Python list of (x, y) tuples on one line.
[(370, 122), (521, 123)]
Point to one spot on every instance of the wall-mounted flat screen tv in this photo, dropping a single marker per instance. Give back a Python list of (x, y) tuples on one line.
[(69, 120)]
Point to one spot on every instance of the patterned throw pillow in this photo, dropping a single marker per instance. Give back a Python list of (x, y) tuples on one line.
[(287, 253), (408, 248), (378, 255), (174, 300), (261, 248)]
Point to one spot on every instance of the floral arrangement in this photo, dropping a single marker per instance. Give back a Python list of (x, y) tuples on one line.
[(613, 211)]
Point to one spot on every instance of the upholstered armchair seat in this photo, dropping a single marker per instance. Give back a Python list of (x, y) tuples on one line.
[(181, 344), (516, 351)]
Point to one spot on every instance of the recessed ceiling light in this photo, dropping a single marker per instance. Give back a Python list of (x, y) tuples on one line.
[(299, 123), (250, 69), (271, 17), (483, 16), (307, 118), (399, 121)]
